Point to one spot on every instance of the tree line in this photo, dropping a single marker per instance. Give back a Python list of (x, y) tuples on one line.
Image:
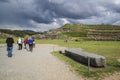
[(17, 33)]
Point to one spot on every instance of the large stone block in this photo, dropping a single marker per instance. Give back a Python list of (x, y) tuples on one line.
[(81, 56)]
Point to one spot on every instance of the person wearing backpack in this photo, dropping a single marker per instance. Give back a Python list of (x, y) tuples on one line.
[(9, 42), (30, 42), (25, 42), (19, 43)]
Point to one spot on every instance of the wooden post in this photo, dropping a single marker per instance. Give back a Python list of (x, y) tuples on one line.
[(53, 48), (89, 63)]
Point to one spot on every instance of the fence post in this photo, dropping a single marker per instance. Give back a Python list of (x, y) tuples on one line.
[(53, 48), (88, 63)]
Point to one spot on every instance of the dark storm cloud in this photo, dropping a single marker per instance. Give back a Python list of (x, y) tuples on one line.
[(4, 0), (68, 9), (35, 13)]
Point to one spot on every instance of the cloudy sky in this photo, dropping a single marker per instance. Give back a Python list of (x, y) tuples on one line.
[(42, 15)]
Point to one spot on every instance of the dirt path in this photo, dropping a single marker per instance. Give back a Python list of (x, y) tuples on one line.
[(36, 65), (115, 76)]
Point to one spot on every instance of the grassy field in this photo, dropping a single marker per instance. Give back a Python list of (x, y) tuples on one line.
[(109, 49), (2, 41)]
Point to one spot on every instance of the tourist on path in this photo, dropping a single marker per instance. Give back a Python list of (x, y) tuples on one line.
[(25, 42), (30, 42), (9, 42), (19, 43)]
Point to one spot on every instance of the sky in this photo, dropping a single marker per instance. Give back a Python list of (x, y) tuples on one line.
[(42, 15)]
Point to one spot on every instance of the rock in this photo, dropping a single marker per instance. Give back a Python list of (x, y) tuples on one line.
[(81, 56), (62, 52)]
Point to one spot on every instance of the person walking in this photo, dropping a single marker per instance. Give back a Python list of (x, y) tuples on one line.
[(25, 42), (33, 42), (9, 42), (19, 43), (30, 42)]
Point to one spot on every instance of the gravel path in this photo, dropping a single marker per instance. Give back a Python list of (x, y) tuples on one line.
[(115, 76), (36, 65)]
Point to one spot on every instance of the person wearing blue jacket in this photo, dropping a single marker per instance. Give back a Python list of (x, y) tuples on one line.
[(30, 42)]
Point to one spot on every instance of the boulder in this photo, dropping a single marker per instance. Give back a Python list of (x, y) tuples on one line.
[(81, 56)]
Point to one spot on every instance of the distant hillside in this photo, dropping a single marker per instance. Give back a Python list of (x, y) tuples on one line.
[(3, 35), (17, 33), (92, 32), (87, 32)]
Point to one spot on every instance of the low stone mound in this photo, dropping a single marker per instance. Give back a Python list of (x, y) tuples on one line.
[(85, 57)]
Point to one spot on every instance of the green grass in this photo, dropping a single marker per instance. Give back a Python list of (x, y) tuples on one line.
[(109, 49), (76, 34), (83, 70), (2, 41), (106, 48), (106, 31)]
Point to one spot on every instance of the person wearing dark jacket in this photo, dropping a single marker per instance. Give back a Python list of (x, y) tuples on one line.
[(9, 42)]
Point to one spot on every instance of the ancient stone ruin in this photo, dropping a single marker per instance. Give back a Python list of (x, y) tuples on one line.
[(85, 57)]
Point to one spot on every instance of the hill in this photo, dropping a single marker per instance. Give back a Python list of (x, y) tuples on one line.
[(17, 33), (86, 32)]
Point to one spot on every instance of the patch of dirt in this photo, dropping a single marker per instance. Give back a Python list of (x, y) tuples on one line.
[(111, 76), (119, 60)]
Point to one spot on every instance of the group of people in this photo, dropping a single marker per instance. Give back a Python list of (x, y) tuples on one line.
[(27, 42)]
